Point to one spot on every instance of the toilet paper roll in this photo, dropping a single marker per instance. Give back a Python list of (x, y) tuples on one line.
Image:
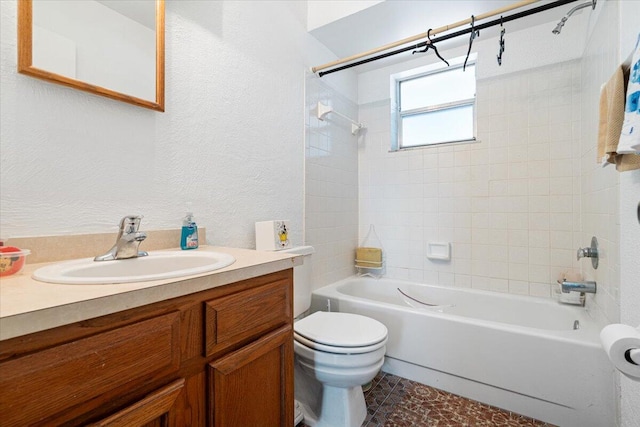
[(618, 341)]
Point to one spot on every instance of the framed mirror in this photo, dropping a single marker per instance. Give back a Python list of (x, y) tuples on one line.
[(111, 48)]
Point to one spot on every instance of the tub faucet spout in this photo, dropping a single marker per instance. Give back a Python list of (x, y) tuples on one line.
[(586, 286), (127, 242)]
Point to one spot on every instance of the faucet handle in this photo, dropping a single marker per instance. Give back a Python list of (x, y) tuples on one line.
[(130, 223), (586, 253), (590, 252)]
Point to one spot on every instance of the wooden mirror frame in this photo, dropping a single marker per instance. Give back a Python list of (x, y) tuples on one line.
[(25, 60)]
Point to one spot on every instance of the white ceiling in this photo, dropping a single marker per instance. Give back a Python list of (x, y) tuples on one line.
[(394, 20)]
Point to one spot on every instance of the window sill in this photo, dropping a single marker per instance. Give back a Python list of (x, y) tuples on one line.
[(438, 145)]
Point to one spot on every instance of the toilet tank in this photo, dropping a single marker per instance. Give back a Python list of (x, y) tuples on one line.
[(301, 279)]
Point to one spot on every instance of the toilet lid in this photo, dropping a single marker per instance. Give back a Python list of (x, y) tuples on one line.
[(300, 340), (341, 329)]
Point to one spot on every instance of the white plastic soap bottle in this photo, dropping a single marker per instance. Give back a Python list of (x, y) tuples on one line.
[(189, 236)]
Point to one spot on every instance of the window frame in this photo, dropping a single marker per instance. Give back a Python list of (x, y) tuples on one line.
[(398, 115)]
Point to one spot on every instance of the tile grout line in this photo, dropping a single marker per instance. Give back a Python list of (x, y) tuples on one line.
[(377, 383), (390, 393)]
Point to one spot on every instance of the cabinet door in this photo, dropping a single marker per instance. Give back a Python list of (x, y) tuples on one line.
[(40, 386), (253, 386), (244, 316), (154, 410)]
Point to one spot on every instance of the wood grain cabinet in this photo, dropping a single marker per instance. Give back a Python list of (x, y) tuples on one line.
[(154, 410), (222, 357)]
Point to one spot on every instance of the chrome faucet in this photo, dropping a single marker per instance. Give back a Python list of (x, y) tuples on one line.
[(584, 287), (128, 240)]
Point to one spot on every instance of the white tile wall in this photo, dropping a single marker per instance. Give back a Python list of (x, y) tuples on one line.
[(510, 204), (600, 187), (515, 205), (331, 184)]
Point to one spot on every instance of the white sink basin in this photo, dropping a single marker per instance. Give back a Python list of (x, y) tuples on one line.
[(156, 266)]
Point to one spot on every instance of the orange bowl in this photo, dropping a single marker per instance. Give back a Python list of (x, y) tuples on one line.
[(12, 260)]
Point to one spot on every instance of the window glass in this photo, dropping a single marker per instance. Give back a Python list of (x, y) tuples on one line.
[(434, 106), (438, 88), (449, 125)]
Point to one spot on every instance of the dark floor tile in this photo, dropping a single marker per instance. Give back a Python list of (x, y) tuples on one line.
[(393, 401)]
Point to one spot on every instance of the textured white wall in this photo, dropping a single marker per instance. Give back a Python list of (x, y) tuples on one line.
[(610, 199), (231, 140), (629, 230), (326, 11), (630, 283)]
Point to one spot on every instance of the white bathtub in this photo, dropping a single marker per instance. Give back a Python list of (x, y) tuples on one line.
[(518, 353)]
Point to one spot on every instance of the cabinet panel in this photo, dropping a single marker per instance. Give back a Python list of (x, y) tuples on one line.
[(153, 410), (191, 404), (39, 385), (89, 370), (253, 386), (245, 315)]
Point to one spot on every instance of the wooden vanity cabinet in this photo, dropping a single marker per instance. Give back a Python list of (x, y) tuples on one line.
[(221, 357), (154, 410), (248, 386)]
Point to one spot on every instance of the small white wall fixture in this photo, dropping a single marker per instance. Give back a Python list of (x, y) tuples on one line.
[(323, 110)]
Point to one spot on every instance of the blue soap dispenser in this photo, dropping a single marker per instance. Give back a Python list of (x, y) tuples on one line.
[(189, 236)]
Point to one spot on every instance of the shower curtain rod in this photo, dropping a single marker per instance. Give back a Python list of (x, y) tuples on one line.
[(495, 12), (423, 35)]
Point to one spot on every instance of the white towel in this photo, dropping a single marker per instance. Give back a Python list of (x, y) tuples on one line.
[(630, 135)]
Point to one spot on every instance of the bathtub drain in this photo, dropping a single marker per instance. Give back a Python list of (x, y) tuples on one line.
[(576, 325)]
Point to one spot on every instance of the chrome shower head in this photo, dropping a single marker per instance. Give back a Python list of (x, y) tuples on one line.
[(558, 28)]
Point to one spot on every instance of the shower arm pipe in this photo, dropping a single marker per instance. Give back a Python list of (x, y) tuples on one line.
[(323, 110), (421, 36), (564, 19), (498, 21), (591, 3)]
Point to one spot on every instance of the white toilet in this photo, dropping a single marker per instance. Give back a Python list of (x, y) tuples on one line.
[(335, 354)]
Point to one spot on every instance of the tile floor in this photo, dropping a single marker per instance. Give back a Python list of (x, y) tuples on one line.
[(398, 402)]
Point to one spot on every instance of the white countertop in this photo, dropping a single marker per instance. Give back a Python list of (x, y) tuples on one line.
[(27, 305)]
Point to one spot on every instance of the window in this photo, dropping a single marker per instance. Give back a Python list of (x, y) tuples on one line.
[(434, 106)]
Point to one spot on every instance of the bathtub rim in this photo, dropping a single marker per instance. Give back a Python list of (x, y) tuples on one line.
[(588, 335)]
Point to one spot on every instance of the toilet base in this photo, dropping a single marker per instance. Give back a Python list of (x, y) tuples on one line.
[(347, 407), (298, 416)]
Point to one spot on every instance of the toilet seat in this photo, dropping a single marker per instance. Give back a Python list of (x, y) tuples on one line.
[(337, 349), (342, 333)]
